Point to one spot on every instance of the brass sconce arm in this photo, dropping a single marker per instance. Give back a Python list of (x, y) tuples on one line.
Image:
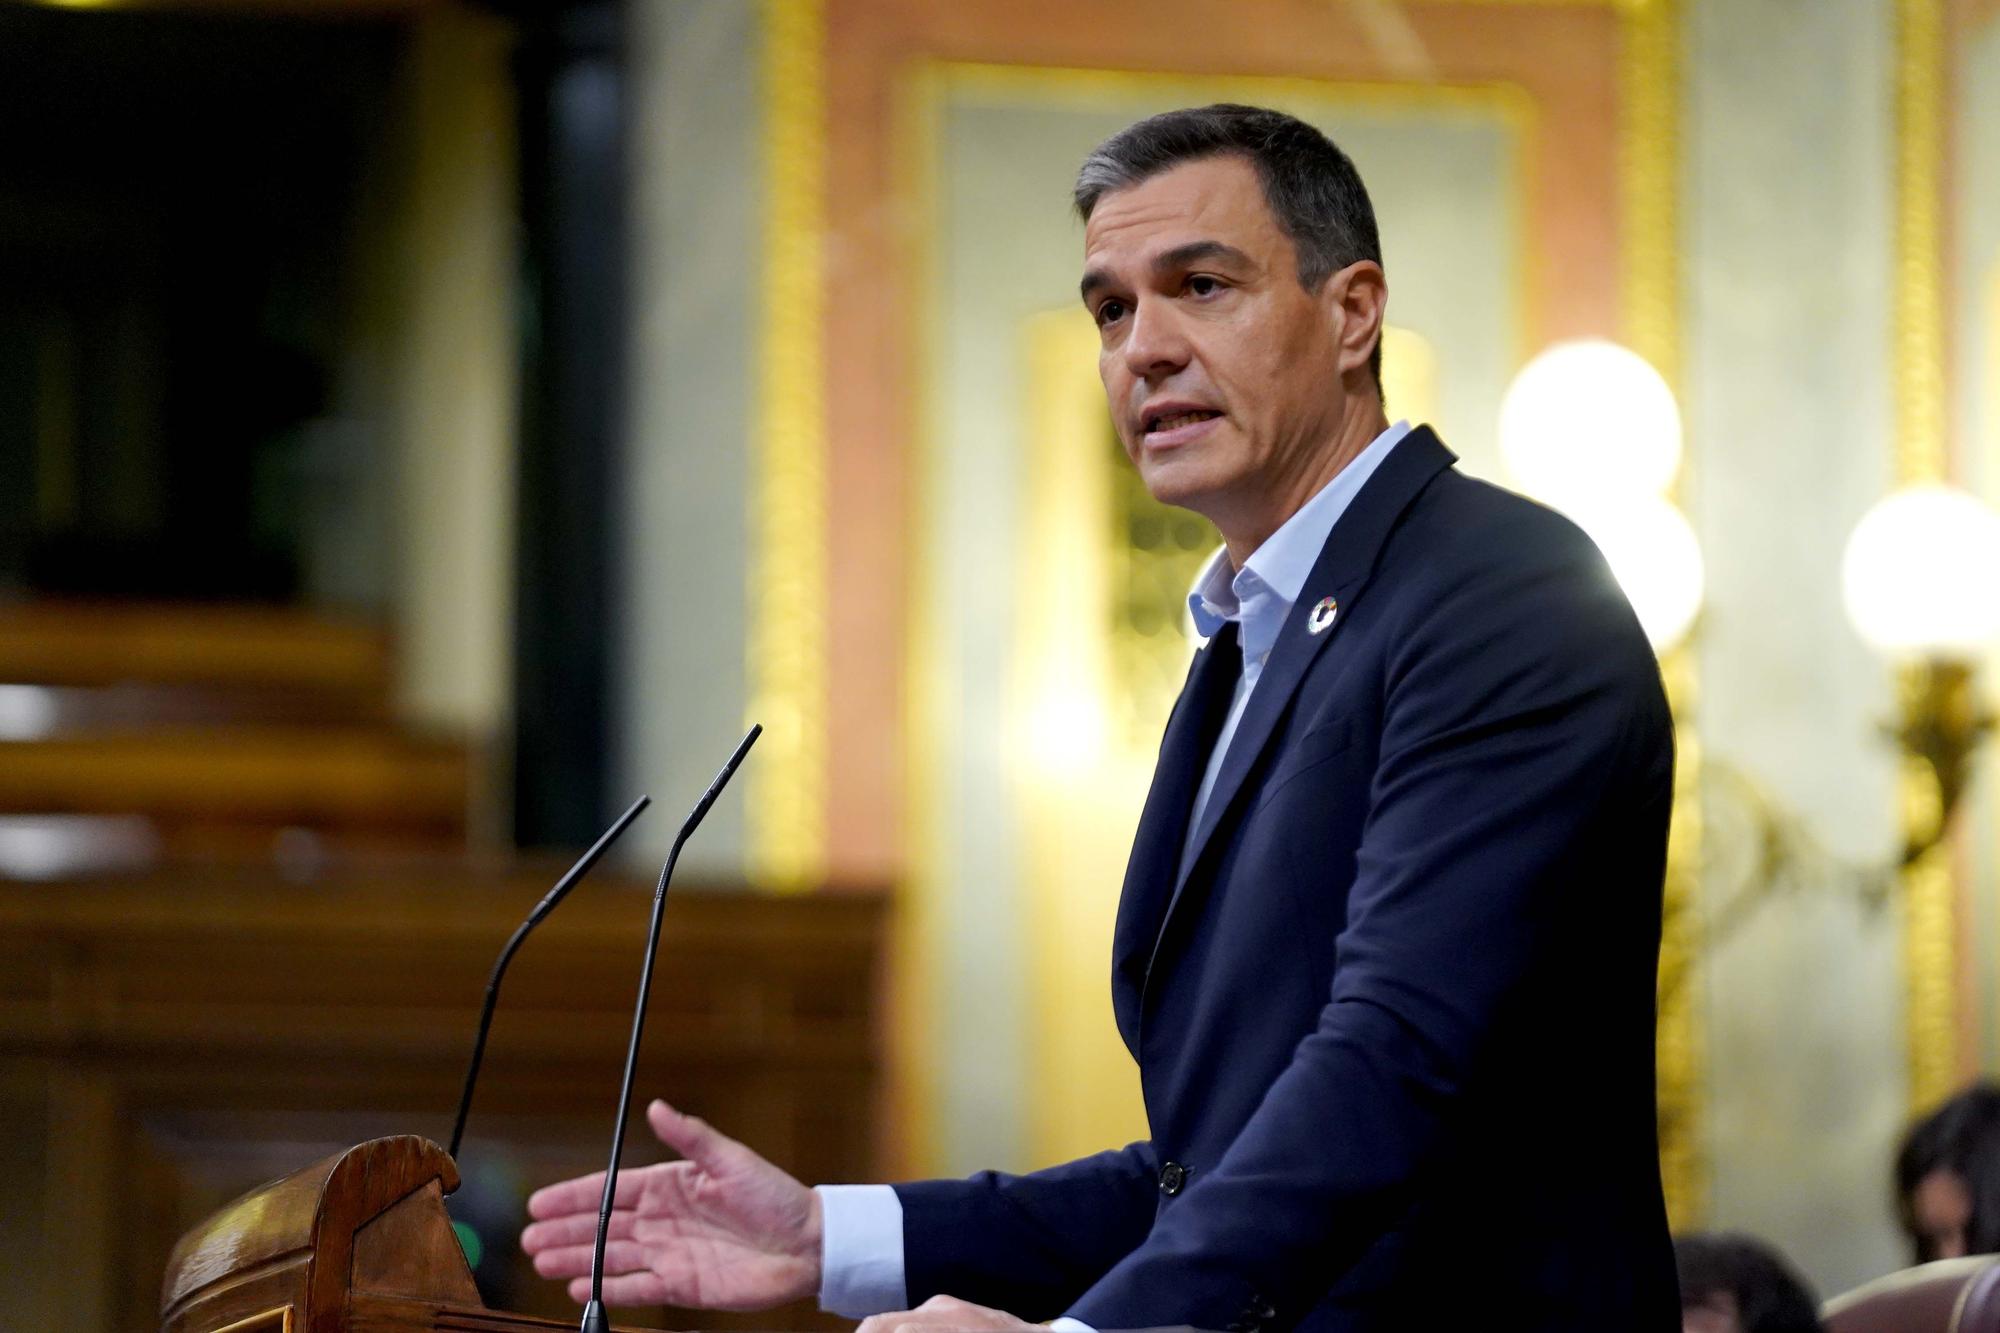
[(1941, 725), (1765, 851)]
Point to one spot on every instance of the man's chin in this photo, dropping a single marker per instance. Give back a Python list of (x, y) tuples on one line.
[(1181, 487)]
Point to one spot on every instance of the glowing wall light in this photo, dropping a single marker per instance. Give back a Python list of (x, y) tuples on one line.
[(1593, 430), (1590, 416), (1652, 551), (1921, 574)]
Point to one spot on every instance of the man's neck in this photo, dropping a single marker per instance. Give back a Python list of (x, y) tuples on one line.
[(1358, 429)]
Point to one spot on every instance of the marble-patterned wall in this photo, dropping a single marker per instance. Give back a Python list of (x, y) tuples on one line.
[(410, 478), (456, 390), (1788, 252), (681, 679)]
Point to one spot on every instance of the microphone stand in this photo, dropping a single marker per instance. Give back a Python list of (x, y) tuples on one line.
[(534, 918), (594, 1320)]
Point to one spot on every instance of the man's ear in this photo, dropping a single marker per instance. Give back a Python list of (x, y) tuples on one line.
[(1355, 300)]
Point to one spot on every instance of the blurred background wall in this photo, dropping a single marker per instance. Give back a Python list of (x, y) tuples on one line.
[(425, 425), (1790, 267)]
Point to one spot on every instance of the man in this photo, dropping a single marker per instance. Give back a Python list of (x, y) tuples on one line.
[(1386, 950)]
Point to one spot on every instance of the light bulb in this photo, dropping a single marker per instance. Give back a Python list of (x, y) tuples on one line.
[(1919, 574), (1654, 556), (1589, 418)]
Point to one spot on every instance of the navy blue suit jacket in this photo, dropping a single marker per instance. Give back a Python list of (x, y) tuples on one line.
[(1396, 1022)]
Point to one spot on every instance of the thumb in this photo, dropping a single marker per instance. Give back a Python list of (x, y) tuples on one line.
[(692, 1138)]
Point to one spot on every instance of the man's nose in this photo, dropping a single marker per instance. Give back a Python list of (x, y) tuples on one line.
[(1156, 344)]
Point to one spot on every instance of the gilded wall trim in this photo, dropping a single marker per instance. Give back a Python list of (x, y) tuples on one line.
[(1929, 892), (788, 647), (1919, 333), (1055, 85), (1079, 837), (787, 656), (1649, 224), (929, 722), (1648, 181)]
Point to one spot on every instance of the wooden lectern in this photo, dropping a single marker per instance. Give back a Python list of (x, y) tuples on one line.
[(356, 1243)]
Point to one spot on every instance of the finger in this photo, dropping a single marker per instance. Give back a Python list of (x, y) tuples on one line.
[(575, 1229), (585, 1194), (620, 1256), (694, 1139), (564, 1260), (631, 1289)]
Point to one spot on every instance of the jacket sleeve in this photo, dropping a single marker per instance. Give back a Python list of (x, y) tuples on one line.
[(1523, 729), (1029, 1244)]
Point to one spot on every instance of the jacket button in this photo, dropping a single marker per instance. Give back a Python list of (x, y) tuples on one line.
[(1173, 1179)]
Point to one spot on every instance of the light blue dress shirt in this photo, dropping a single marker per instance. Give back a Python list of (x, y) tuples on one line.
[(861, 1257), (1260, 595)]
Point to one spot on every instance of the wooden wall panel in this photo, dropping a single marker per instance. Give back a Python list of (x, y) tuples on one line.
[(191, 1034)]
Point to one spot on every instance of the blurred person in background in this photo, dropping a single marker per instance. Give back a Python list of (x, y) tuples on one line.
[(1732, 1283), (1948, 1178)]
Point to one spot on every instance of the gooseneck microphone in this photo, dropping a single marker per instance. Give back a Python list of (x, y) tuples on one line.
[(542, 909), (594, 1320)]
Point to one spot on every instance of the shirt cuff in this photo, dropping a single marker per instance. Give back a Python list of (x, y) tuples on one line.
[(861, 1251), (1068, 1325)]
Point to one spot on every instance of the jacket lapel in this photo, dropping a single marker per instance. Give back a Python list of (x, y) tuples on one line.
[(1156, 849), (1345, 565)]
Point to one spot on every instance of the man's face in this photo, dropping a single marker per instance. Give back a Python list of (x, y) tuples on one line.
[(1223, 374)]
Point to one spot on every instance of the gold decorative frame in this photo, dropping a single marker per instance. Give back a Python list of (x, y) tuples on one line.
[(787, 652), (1648, 180), (788, 635), (1928, 887), (1060, 1055)]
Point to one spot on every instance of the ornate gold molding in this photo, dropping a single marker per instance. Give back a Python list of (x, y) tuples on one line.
[(787, 649), (1919, 333), (1649, 179), (1928, 889), (1075, 837), (1648, 196), (1649, 189)]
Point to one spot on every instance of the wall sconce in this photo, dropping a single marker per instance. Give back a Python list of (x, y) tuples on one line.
[(1591, 428), (1918, 578)]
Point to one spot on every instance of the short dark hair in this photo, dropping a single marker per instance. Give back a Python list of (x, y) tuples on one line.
[(1770, 1295), (1310, 186), (1963, 1137)]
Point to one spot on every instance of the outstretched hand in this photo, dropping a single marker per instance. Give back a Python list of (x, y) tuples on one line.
[(722, 1230)]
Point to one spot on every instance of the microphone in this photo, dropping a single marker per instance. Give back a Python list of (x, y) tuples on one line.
[(542, 909), (594, 1320)]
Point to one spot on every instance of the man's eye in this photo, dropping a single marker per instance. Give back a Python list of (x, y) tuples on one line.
[(1202, 285), (1110, 312)]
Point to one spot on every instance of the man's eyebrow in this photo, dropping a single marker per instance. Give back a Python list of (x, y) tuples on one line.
[(1181, 256), (1194, 252)]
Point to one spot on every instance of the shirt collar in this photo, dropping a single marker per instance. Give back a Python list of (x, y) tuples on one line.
[(1260, 595)]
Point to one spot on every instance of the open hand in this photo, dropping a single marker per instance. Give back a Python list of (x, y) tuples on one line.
[(722, 1230)]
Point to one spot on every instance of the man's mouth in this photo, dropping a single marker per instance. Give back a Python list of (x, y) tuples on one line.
[(1175, 424)]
